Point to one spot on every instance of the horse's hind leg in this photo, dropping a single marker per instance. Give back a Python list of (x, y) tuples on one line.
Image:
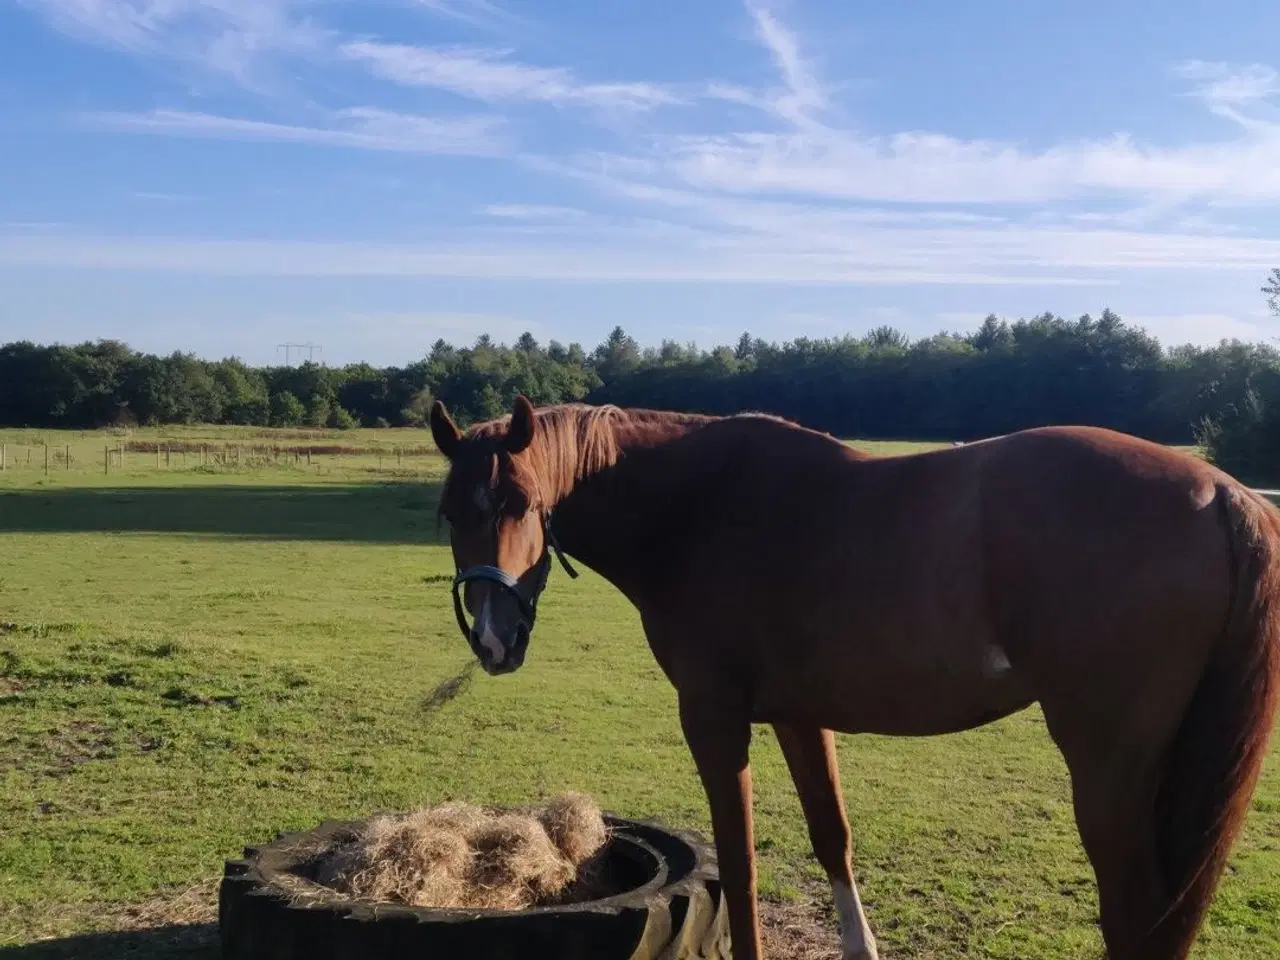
[(1114, 789), (1117, 829), (811, 756)]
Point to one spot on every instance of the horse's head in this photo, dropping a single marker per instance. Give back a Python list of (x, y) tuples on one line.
[(499, 530)]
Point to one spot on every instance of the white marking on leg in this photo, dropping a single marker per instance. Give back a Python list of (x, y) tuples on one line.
[(484, 630), (856, 941)]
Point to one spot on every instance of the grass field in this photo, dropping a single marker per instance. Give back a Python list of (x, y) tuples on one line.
[(193, 658)]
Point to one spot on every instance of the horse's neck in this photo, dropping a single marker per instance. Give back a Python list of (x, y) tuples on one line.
[(607, 516)]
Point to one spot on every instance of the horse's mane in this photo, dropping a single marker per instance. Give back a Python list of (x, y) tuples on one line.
[(573, 441), (576, 440)]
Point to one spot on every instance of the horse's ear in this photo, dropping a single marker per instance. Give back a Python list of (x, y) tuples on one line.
[(520, 432), (444, 431)]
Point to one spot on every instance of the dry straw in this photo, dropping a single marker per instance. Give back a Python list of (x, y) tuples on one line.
[(466, 857)]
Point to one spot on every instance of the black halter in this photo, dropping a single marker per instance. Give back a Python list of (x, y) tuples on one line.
[(496, 575)]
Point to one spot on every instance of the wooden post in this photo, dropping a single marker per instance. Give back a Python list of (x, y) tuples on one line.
[(3, 451), (157, 456), (68, 455), (308, 456), (379, 459), (168, 456), (120, 455), (106, 459), (46, 459), (399, 456)]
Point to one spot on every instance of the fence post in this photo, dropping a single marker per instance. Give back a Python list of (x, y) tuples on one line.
[(168, 456), (68, 456), (106, 459), (120, 455), (46, 459), (308, 456), (157, 455), (399, 459), (3, 451)]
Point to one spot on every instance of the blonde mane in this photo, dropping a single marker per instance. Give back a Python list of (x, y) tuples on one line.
[(572, 441)]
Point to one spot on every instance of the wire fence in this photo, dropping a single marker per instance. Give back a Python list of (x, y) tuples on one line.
[(49, 458)]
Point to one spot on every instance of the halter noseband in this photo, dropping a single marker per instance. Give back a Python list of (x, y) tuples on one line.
[(499, 577)]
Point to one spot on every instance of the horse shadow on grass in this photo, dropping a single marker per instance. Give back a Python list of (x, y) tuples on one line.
[(401, 513), (179, 942)]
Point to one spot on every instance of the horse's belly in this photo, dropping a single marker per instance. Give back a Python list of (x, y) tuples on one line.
[(906, 695)]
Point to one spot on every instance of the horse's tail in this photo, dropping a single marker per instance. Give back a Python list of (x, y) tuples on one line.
[(1214, 762)]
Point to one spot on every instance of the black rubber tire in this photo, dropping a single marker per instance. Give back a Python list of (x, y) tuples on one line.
[(678, 914)]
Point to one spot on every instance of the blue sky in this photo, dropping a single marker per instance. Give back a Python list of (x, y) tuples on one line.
[(227, 175)]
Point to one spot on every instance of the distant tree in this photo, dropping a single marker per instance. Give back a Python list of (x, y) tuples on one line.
[(340, 419), (286, 410), (318, 410), (415, 413), (1272, 290), (617, 356)]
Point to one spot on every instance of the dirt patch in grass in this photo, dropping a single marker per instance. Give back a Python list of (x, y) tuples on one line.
[(197, 904), (79, 742), (798, 931)]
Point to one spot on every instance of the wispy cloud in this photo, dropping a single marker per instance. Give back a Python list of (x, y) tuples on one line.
[(532, 211), (473, 12), (161, 197), (226, 36), (1240, 93), (365, 128), (490, 75), (870, 256), (1225, 83), (803, 94), (818, 159)]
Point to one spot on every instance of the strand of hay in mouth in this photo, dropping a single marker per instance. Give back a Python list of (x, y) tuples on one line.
[(463, 856)]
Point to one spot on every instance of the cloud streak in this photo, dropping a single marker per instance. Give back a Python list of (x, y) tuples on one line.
[(787, 254), (230, 37), (491, 76), (365, 128)]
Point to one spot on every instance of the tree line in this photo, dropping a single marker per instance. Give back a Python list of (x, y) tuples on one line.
[(1001, 377)]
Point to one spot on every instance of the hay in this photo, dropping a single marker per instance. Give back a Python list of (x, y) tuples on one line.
[(463, 856), (575, 825)]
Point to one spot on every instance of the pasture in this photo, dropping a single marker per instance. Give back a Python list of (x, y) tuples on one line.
[(194, 656)]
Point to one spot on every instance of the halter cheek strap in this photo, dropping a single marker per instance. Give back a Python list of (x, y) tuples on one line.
[(496, 575)]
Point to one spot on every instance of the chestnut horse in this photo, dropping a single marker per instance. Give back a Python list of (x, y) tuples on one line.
[(784, 578)]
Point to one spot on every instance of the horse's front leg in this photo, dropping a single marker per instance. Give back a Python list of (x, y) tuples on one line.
[(719, 739), (810, 753)]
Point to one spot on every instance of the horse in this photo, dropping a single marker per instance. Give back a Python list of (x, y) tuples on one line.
[(783, 577)]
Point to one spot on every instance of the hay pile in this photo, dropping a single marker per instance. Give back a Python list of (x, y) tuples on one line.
[(464, 856)]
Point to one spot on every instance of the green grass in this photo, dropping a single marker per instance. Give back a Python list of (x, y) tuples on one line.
[(193, 659)]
